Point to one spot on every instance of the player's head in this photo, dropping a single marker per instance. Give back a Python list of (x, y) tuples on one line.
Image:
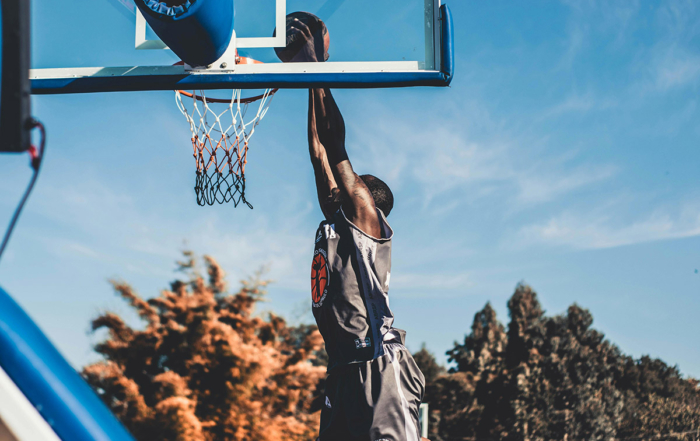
[(293, 52), (383, 198)]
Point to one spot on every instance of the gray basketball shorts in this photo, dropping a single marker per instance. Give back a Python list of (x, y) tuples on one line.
[(376, 400)]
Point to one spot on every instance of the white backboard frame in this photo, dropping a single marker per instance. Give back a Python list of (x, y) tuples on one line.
[(279, 40)]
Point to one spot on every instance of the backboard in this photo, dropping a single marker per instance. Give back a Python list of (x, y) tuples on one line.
[(105, 45)]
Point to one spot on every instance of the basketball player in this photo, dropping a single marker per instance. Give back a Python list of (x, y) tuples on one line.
[(374, 387)]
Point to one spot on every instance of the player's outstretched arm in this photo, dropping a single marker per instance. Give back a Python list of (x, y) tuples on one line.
[(358, 203), (328, 192)]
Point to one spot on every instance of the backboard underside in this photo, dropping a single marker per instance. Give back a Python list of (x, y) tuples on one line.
[(371, 45)]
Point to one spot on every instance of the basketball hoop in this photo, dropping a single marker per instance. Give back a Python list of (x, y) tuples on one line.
[(220, 144)]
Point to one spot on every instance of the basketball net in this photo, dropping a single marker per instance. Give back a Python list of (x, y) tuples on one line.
[(220, 137)]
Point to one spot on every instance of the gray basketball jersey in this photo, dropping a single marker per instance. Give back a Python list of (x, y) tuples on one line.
[(349, 290)]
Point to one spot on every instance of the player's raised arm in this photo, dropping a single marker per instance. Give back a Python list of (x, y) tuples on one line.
[(358, 203), (327, 133), (328, 192)]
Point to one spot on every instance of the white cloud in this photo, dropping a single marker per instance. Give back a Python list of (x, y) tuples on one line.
[(672, 67), (673, 60), (603, 229), (615, 20), (558, 182), (444, 158), (670, 61), (576, 103), (430, 283), (138, 236), (572, 46), (79, 249)]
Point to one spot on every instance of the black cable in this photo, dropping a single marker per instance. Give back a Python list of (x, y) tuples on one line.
[(36, 159)]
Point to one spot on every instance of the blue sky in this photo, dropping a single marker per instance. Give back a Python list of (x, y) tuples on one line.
[(565, 155)]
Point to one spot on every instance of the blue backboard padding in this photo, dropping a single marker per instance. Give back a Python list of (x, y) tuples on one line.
[(448, 52), (240, 81), (200, 35), (55, 389)]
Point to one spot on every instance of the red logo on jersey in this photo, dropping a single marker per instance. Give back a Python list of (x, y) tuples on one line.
[(319, 277)]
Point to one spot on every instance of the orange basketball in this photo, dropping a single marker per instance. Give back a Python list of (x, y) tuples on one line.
[(293, 52)]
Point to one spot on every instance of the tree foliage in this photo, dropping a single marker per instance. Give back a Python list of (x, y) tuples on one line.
[(547, 378), (205, 367)]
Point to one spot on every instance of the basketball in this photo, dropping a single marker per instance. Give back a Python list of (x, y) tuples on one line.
[(297, 47)]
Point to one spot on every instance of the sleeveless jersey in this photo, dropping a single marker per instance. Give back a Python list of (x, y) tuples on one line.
[(349, 290)]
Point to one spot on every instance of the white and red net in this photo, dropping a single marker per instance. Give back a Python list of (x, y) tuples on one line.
[(220, 138)]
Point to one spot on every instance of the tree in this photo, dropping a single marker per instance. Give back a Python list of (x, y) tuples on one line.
[(661, 401), (205, 367), (554, 378), (433, 373), (482, 358), (427, 364)]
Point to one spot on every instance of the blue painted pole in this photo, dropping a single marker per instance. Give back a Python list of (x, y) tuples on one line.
[(55, 389)]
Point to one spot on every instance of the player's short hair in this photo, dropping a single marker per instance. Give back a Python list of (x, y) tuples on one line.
[(383, 197)]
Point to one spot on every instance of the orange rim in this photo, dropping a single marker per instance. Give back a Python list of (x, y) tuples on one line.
[(225, 101), (239, 60)]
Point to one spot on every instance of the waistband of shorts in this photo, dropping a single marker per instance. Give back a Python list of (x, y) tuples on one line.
[(352, 367), (395, 337)]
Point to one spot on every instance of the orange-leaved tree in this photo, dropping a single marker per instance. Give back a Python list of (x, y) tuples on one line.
[(206, 368)]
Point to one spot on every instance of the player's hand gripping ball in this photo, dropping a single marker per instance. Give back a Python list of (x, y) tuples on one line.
[(307, 39)]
